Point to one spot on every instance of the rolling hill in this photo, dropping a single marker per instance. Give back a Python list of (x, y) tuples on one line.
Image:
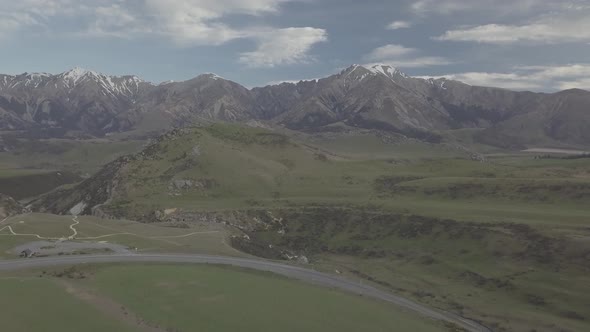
[(476, 238)]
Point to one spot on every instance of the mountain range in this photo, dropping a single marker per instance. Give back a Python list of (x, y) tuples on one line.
[(84, 103)]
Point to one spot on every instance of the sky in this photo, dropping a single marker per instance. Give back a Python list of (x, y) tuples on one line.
[(538, 45)]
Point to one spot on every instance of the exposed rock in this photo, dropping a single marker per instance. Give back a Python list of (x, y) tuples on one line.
[(10, 207), (302, 260)]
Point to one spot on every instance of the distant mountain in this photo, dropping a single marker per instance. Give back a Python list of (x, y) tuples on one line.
[(382, 97), (77, 100), (373, 97), (204, 98)]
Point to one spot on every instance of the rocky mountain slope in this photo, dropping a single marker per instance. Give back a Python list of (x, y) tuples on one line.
[(9, 207), (77, 100), (369, 97)]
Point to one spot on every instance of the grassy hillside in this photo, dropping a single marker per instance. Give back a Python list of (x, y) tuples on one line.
[(29, 168), (513, 277), (226, 167), (503, 241), (83, 157)]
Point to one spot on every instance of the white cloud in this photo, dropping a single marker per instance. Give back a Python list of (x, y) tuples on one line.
[(17, 15), (499, 7), (186, 22), (390, 51), (405, 57), (571, 24), (114, 21), (9, 23), (284, 47), (582, 83), (502, 80), (531, 78), (199, 21), (399, 25)]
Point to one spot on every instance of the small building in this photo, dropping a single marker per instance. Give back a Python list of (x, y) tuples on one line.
[(27, 253)]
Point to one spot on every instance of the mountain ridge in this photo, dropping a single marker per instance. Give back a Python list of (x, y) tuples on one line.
[(367, 97)]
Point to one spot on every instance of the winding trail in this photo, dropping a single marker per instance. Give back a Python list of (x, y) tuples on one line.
[(71, 237), (307, 275), (13, 233), (73, 228), (75, 233)]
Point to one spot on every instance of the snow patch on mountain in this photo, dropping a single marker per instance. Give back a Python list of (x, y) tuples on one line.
[(386, 70), (76, 79), (76, 74), (293, 82), (360, 72), (214, 76)]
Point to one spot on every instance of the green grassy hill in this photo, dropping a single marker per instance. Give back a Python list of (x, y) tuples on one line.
[(228, 167), (505, 241)]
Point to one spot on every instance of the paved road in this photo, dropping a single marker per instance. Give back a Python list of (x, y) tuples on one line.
[(299, 273), (562, 151)]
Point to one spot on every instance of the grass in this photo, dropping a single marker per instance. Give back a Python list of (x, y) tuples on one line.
[(36, 304), (274, 171), (82, 157), (212, 298), (564, 303), (209, 238), (26, 183), (369, 146), (511, 276), (505, 241), (37, 167)]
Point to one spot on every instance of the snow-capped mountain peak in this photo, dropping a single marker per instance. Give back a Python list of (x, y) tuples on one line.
[(77, 73), (108, 85), (214, 76), (360, 72), (386, 70)]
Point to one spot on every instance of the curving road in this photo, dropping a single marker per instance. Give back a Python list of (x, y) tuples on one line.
[(299, 273)]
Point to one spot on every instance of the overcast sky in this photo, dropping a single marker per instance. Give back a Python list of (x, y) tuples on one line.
[(541, 45)]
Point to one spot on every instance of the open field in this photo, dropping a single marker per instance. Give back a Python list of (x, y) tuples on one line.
[(27, 183), (34, 304), (140, 237), (211, 298), (83, 157)]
